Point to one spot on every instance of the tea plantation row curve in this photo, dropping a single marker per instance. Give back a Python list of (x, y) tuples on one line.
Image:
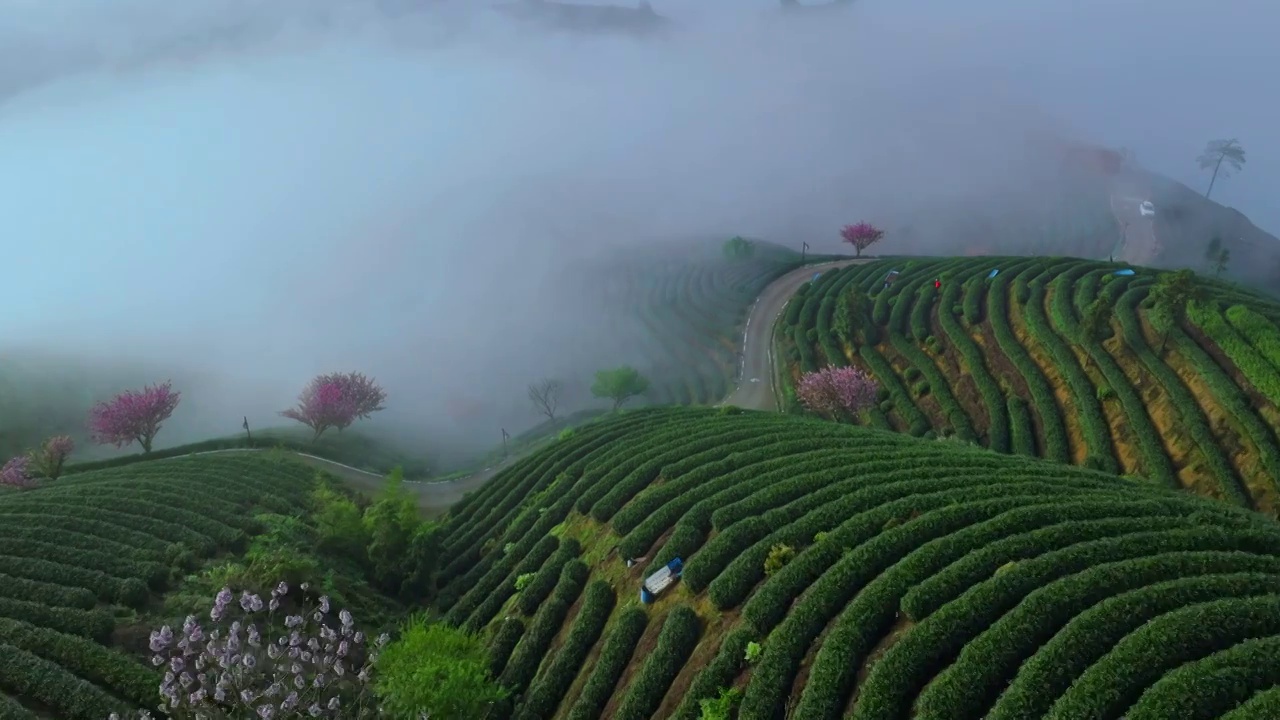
[(996, 355), (880, 575), (77, 554)]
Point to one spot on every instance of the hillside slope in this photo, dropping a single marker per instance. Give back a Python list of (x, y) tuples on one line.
[(91, 564), (675, 311), (1000, 361), (926, 575)]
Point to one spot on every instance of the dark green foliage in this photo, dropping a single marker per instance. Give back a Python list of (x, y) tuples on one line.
[(619, 646), (528, 599), (545, 695), (676, 642), (987, 559), (542, 629), (510, 630), (1213, 685)]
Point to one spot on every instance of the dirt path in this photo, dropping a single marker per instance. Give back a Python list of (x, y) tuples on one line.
[(433, 497), (1139, 245), (755, 391)]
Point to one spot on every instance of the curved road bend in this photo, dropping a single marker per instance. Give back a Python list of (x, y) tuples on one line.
[(755, 389), (757, 363)]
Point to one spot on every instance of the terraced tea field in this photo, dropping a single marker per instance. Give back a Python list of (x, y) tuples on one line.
[(95, 547), (881, 576), (1001, 360), (678, 316)]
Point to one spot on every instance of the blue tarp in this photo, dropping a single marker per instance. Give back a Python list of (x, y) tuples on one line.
[(816, 276), (993, 273), (1124, 272)]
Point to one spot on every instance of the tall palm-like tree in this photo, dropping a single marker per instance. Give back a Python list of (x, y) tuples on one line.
[(1215, 154)]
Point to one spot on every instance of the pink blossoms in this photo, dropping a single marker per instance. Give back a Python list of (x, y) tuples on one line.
[(336, 400), (133, 416), (861, 236), (832, 391)]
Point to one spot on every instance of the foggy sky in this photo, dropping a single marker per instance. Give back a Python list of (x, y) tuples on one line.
[(264, 190)]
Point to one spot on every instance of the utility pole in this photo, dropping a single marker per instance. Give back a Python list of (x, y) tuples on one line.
[(804, 249), (505, 436), (246, 429)]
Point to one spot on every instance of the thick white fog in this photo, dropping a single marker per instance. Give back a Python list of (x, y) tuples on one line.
[(260, 191)]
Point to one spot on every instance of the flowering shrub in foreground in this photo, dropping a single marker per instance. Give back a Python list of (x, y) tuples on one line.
[(52, 455), (831, 391), (15, 472), (318, 669)]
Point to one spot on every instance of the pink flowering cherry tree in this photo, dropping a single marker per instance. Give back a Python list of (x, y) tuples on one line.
[(832, 392), (16, 472), (133, 416), (336, 400), (861, 236)]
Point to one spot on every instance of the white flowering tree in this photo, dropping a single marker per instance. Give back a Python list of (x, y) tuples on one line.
[(244, 666)]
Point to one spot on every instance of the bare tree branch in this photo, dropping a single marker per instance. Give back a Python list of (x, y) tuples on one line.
[(545, 396)]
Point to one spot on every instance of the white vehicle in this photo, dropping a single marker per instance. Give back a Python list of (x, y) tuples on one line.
[(1147, 209)]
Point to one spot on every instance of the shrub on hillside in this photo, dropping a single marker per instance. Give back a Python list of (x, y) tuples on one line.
[(48, 460), (16, 472), (722, 706), (432, 671), (319, 667), (340, 529), (779, 555)]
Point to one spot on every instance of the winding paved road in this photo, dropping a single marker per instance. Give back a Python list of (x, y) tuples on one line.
[(755, 391)]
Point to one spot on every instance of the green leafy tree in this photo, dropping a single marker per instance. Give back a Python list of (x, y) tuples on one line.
[(421, 562), (340, 528), (619, 384), (739, 248), (1169, 299), (1213, 248), (435, 671), (754, 650), (390, 522), (1215, 154), (1218, 255), (1220, 262)]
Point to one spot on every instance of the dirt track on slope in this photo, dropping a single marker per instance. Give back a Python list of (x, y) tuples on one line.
[(1139, 245)]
